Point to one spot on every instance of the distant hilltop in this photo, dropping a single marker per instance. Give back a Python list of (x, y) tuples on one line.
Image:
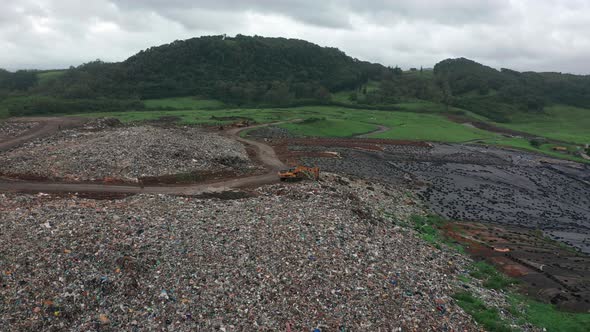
[(256, 71)]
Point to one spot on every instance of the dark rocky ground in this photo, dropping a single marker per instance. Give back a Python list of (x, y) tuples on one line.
[(477, 183)]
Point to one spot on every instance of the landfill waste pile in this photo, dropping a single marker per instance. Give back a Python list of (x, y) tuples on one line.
[(125, 153), (101, 124), (329, 255), (15, 128)]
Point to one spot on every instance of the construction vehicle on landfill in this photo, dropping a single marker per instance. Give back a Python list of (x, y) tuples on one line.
[(299, 173)]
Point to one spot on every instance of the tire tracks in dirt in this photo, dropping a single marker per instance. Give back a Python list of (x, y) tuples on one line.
[(380, 129)]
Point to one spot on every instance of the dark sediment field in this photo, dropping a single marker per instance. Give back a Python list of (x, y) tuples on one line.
[(484, 184)]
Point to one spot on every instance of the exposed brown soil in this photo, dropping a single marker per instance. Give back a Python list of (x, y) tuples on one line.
[(187, 178), (549, 271)]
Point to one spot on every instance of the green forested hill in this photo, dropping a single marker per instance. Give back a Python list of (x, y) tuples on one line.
[(498, 94), (259, 71), (245, 68), (238, 70)]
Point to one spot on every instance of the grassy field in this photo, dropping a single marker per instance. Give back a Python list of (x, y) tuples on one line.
[(565, 123), (429, 127), (330, 121), (333, 127), (183, 103), (342, 122), (418, 120)]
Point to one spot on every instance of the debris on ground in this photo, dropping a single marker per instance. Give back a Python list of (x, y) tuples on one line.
[(15, 128), (125, 153), (329, 255), (101, 124)]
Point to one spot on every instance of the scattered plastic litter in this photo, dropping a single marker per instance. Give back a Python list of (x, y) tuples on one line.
[(305, 256), (125, 154)]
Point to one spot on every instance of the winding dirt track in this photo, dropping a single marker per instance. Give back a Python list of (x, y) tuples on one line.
[(47, 126), (380, 129), (264, 153)]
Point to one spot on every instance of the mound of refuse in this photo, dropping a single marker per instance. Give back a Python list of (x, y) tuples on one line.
[(126, 153), (15, 128), (332, 255)]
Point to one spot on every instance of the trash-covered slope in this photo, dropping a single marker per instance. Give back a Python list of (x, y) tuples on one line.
[(125, 153), (329, 255)]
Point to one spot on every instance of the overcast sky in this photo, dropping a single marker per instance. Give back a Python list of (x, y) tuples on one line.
[(540, 35)]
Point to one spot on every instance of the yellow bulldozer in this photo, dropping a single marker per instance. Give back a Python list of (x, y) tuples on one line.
[(299, 173)]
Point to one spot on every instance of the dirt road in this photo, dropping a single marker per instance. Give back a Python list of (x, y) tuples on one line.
[(380, 129), (47, 126), (264, 153)]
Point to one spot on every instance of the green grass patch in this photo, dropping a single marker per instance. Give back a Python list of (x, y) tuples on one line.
[(420, 122), (525, 144), (491, 277), (182, 103), (464, 278), (523, 308), (487, 317), (547, 316), (337, 122), (428, 228), (560, 122), (429, 127), (342, 122), (328, 127)]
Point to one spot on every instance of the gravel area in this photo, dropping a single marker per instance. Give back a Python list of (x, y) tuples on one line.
[(332, 255), (125, 153), (14, 129)]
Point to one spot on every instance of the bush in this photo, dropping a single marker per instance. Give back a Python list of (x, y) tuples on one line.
[(536, 143)]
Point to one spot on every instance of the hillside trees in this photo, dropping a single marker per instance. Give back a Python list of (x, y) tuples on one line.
[(241, 70), (21, 80)]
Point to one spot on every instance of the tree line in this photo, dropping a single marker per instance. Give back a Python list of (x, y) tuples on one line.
[(259, 71)]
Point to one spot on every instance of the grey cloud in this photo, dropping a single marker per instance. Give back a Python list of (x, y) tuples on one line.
[(520, 34), (336, 13)]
